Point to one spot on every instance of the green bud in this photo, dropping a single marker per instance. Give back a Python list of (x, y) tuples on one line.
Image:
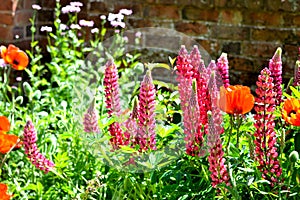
[(294, 156), (27, 88)]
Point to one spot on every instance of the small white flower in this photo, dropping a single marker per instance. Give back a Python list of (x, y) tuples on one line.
[(125, 12), (75, 26), (117, 23), (138, 34), (70, 9), (36, 7), (76, 3), (46, 29), (19, 79), (95, 30), (83, 22), (63, 27), (103, 17), (125, 38), (115, 17)]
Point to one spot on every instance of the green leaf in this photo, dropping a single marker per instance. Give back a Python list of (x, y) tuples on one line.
[(295, 92)]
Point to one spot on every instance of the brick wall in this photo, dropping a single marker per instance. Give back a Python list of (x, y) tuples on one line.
[(249, 31)]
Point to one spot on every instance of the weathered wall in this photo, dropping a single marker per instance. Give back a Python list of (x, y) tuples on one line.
[(249, 31)]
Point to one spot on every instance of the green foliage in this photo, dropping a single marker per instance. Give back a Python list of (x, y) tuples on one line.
[(54, 96)]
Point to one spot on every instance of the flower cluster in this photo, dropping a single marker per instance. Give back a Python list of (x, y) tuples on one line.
[(31, 149), (146, 114), (216, 158), (187, 70), (112, 100), (223, 68), (117, 19), (90, 120), (265, 135), (73, 7), (275, 67)]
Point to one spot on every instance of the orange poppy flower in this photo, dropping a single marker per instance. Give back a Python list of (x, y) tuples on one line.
[(7, 141), (236, 99), (291, 111), (3, 192), (4, 124), (12, 55)]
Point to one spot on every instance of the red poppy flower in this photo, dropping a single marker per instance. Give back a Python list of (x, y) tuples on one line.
[(3, 192), (236, 99), (4, 124), (17, 58), (291, 111)]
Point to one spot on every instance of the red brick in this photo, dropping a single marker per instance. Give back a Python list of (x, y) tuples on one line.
[(230, 32), (192, 28), (6, 18), (197, 3), (164, 12), (263, 18), (20, 4), (194, 13), (263, 50), (212, 47), (5, 33), (230, 17), (28, 3), (18, 32), (48, 4), (98, 7), (22, 17), (157, 40), (167, 2), (291, 52), (296, 20), (270, 35), (7, 5), (254, 5), (47, 16), (282, 5), (140, 23), (240, 63)]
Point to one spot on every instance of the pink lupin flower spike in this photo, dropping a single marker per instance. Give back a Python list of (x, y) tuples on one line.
[(275, 67), (146, 114), (265, 135), (32, 151), (90, 120), (113, 106), (223, 68)]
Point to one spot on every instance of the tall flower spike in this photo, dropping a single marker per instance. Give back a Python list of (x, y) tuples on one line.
[(275, 67), (146, 114), (216, 160), (297, 74), (90, 120), (112, 100), (265, 135), (31, 149), (192, 137), (131, 125), (185, 74), (223, 69)]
